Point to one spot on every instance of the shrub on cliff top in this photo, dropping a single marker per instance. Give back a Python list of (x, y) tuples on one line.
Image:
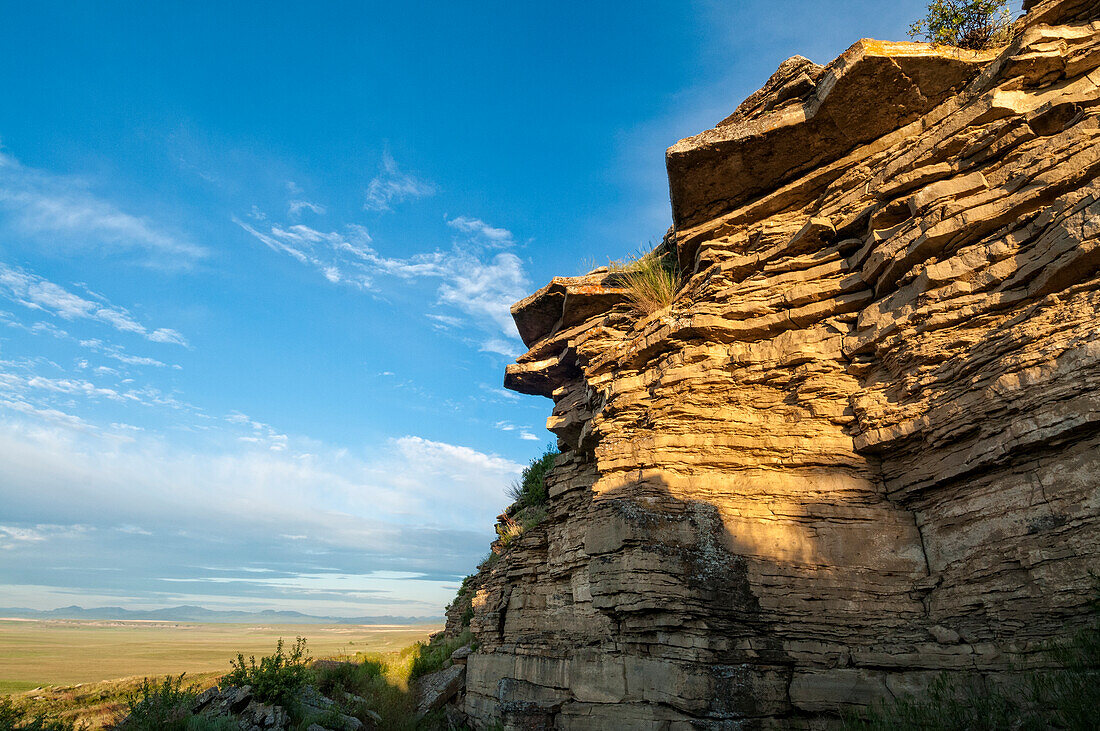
[(974, 24)]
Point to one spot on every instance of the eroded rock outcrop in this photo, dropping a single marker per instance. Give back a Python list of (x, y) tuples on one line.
[(862, 446)]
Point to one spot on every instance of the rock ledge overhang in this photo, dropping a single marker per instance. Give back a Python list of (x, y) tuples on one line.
[(871, 89)]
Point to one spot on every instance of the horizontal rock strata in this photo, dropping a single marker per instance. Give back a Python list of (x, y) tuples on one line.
[(862, 445)]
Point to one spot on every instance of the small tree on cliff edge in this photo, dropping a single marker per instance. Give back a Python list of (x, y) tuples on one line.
[(974, 24)]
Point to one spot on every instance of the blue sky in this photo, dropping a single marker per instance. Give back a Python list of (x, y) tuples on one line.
[(256, 261)]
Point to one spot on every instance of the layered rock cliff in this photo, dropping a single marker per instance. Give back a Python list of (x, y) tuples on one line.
[(862, 444)]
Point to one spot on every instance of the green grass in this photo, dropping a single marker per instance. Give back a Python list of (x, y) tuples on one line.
[(160, 706), (529, 495), (276, 678), (429, 657), (95, 703)]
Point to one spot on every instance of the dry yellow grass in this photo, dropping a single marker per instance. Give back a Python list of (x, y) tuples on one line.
[(651, 281)]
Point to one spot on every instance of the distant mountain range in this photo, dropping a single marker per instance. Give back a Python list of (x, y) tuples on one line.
[(202, 614)]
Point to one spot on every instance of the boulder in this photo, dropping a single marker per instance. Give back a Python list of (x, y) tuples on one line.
[(262, 717)]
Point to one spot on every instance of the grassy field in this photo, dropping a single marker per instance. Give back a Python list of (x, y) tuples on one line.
[(39, 653), (83, 670)]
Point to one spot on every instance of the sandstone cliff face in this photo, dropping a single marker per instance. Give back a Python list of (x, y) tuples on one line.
[(862, 446)]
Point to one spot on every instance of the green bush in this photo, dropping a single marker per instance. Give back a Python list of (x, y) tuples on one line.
[(382, 681), (530, 490), (13, 718), (277, 678), (974, 24), (155, 706), (434, 655)]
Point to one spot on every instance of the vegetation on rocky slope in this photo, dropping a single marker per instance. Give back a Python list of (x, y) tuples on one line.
[(530, 490), (276, 678), (529, 494)]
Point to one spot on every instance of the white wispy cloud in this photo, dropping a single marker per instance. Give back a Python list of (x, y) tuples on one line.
[(12, 536), (262, 434), (392, 186), (499, 393), (528, 436), (507, 348), (478, 228), (24, 390), (30, 290), (62, 211), (75, 387), (116, 352), (295, 208), (51, 416), (296, 204), (478, 280)]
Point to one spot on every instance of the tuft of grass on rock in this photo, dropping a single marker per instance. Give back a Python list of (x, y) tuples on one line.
[(651, 280), (529, 495)]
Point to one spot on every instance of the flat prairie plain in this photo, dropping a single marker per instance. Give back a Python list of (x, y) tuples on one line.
[(40, 653)]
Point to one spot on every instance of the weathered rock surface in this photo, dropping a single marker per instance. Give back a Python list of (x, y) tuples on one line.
[(239, 703), (439, 687), (862, 446)]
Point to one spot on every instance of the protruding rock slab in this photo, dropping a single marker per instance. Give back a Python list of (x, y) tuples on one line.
[(873, 88), (439, 687), (564, 302)]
